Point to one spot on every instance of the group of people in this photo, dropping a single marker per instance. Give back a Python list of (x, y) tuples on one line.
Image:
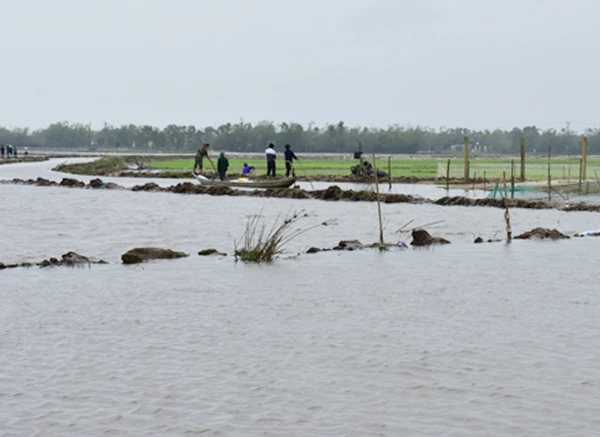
[(8, 150), (223, 162), (289, 156)]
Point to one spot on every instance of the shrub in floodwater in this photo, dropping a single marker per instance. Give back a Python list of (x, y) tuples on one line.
[(260, 244)]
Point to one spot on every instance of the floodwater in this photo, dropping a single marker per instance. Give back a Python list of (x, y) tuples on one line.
[(43, 169), (456, 340)]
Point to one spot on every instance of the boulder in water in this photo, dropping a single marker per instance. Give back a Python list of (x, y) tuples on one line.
[(69, 259), (423, 238), (209, 252), (349, 245), (72, 183), (96, 183), (314, 250), (150, 186), (141, 254), (542, 234)]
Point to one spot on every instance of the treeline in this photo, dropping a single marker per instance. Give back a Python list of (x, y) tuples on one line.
[(338, 138)]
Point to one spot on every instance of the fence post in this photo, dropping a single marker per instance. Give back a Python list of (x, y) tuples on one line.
[(466, 158), (584, 158), (522, 158), (549, 177), (512, 178)]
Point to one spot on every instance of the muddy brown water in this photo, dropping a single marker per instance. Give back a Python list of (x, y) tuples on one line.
[(462, 339)]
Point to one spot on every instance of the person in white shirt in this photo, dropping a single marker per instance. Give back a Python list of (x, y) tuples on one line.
[(271, 155)]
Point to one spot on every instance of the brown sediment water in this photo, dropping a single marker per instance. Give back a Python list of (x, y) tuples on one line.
[(416, 342)]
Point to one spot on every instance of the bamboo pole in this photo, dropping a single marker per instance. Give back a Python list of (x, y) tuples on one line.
[(506, 213), (390, 172), (522, 158), (484, 179), (448, 175), (568, 183), (466, 158), (378, 201), (512, 179), (549, 176), (584, 158), (474, 179), (580, 169)]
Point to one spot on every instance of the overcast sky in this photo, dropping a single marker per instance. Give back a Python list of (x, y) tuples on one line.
[(468, 63)]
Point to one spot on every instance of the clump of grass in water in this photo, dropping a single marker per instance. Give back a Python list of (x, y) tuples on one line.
[(262, 245)]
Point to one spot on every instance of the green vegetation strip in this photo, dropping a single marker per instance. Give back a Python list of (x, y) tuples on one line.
[(535, 168)]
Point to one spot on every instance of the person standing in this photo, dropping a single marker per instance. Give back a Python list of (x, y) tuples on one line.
[(289, 158), (271, 156), (2, 151), (14, 152), (222, 165), (200, 155)]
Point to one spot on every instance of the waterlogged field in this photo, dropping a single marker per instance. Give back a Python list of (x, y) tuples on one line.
[(491, 168)]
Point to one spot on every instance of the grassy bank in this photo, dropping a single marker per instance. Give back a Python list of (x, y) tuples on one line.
[(536, 169), (493, 168)]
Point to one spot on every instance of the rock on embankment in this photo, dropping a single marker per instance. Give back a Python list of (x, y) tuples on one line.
[(69, 259), (423, 238), (141, 254), (542, 234)]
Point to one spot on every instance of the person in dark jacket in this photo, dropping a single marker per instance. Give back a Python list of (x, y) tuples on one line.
[(222, 165), (289, 158), (200, 155)]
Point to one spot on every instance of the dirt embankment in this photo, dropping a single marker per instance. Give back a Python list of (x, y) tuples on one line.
[(332, 194)]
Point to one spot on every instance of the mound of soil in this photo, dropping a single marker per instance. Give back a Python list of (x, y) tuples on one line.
[(423, 238), (141, 254), (69, 259), (542, 234), (210, 252), (72, 183)]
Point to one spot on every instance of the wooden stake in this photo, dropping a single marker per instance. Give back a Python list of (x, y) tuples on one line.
[(378, 200), (448, 176), (549, 177), (466, 158), (390, 172), (580, 170), (522, 158), (512, 179), (506, 213), (568, 183), (584, 158), (484, 179)]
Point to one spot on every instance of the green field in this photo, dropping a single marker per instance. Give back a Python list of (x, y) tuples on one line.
[(492, 168)]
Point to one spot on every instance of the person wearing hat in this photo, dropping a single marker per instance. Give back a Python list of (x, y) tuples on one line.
[(289, 158), (222, 165), (200, 155)]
